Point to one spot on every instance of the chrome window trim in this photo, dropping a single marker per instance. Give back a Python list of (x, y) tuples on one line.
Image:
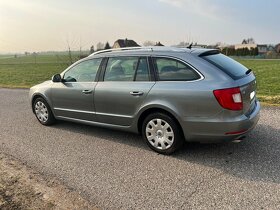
[(130, 56), (182, 61)]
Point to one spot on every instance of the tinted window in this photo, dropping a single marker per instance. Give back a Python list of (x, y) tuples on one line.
[(83, 72), (228, 65), (173, 70), (126, 69), (142, 73)]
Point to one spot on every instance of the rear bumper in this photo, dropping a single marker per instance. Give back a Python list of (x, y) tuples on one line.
[(220, 129)]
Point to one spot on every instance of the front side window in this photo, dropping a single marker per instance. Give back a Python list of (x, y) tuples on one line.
[(173, 70), (127, 69), (83, 72)]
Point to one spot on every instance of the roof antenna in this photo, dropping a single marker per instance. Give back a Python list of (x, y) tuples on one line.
[(190, 46)]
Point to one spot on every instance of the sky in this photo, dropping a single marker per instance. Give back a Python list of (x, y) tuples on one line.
[(52, 25)]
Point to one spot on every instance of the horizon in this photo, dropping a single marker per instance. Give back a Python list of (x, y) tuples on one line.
[(31, 26), (30, 53)]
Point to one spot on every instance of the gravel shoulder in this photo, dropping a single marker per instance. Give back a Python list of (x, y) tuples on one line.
[(22, 188)]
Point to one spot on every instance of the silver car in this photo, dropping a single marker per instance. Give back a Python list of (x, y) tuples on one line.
[(168, 95)]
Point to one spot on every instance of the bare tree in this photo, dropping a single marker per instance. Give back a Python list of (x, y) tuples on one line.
[(248, 41), (183, 44), (149, 43), (69, 52), (251, 41), (35, 57), (100, 46)]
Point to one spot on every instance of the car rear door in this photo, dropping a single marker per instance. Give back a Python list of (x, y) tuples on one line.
[(124, 85), (73, 97)]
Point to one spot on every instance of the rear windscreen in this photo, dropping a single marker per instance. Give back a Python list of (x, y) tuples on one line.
[(226, 64)]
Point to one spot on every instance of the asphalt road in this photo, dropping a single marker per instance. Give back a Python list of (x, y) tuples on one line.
[(116, 170)]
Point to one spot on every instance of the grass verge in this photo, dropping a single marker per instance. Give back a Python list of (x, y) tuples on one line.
[(270, 100)]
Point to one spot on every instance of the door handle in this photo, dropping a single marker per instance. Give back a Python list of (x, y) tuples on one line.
[(87, 91), (136, 93)]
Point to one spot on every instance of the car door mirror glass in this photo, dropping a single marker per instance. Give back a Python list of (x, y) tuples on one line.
[(56, 78)]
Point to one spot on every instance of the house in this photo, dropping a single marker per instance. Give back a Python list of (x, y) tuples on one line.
[(121, 43), (262, 48), (271, 49)]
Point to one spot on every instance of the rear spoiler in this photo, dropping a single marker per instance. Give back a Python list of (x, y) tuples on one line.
[(209, 52)]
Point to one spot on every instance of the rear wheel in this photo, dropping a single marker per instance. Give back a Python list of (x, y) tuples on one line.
[(162, 134), (43, 112)]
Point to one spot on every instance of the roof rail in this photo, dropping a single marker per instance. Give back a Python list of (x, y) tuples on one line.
[(121, 49)]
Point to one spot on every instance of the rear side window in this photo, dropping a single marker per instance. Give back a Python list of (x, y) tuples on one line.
[(169, 69), (142, 73), (127, 69), (226, 64)]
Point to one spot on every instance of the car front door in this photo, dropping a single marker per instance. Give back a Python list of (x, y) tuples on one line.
[(122, 89), (73, 97)]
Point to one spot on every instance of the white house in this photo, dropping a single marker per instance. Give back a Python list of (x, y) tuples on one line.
[(261, 47)]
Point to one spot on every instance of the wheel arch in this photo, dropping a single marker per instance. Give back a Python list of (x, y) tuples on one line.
[(38, 95), (160, 109)]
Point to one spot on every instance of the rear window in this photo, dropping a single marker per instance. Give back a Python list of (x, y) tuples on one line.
[(228, 65)]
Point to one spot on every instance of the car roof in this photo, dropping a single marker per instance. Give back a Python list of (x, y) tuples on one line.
[(149, 50)]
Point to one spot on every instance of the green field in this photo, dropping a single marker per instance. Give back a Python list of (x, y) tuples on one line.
[(25, 71), (268, 76)]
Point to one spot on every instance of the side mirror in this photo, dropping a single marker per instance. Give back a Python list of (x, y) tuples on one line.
[(56, 78)]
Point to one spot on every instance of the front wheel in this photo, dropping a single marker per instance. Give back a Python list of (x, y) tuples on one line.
[(43, 112), (162, 133)]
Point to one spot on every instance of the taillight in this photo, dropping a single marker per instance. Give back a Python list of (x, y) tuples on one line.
[(229, 98)]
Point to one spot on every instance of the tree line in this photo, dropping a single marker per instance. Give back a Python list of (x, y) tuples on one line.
[(100, 46), (240, 52)]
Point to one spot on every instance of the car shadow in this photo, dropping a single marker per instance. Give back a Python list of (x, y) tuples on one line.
[(102, 134), (257, 158)]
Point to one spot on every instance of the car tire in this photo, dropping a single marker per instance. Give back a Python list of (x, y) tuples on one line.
[(43, 112), (162, 133)]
